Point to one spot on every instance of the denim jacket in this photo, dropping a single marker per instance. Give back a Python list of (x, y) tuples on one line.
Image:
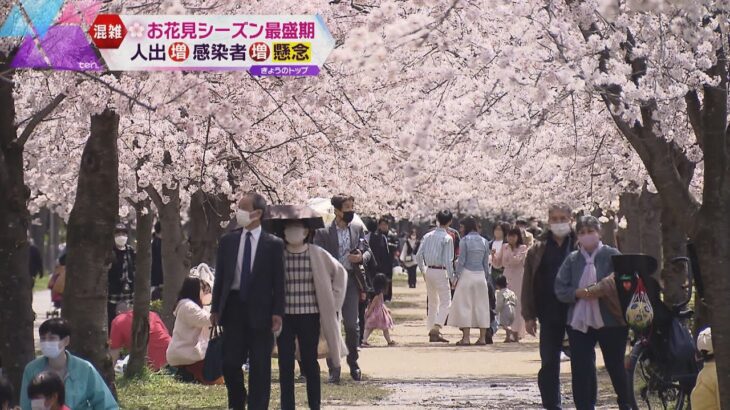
[(473, 254)]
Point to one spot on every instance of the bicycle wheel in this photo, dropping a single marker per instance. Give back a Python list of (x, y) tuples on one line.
[(648, 387)]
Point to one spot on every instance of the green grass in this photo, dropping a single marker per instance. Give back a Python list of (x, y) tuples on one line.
[(162, 391), (41, 283)]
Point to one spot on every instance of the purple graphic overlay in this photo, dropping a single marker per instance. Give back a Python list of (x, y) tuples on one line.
[(284, 70)]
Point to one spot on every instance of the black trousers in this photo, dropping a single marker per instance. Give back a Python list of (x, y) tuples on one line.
[(242, 342), (412, 274), (361, 308), (583, 364), (388, 294), (305, 329), (548, 378)]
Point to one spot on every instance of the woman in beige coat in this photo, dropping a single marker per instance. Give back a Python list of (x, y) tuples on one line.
[(315, 291)]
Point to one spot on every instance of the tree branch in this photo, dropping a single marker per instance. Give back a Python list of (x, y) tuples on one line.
[(155, 196), (118, 91), (694, 114), (37, 118)]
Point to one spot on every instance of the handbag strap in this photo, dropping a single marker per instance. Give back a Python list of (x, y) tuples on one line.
[(215, 331)]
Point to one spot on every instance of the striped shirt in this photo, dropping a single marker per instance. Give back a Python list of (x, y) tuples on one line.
[(301, 297), (437, 249)]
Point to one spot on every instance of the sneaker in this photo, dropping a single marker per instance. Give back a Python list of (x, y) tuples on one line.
[(564, 357)]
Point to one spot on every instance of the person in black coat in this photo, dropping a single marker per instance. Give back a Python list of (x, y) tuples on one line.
[(156, 276), (248, 301), (121, 273), (36, 261), (381, 250)]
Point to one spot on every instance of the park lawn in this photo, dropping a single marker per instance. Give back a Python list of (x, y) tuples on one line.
[(41, 283), (162, 391)]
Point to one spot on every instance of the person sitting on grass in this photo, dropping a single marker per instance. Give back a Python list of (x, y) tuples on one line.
[(121, 336), (47, 392), (377, 315), (84, 387), (191, 333)]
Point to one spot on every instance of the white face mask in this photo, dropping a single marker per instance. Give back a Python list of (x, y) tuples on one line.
[(295, 235), (51, 349), (38, 404), (561, 230), (243, 218), (120, 241)]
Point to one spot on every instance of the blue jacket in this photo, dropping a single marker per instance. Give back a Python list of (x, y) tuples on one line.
[(473, 254), (85, 389), (569, 276)]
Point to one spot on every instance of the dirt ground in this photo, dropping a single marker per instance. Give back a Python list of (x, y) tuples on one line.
[(424, 375)]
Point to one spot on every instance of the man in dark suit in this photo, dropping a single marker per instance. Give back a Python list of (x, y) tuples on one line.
[(346, 242), (248, 301)]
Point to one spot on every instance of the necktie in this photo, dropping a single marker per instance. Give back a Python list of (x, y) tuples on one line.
[(246, 267)]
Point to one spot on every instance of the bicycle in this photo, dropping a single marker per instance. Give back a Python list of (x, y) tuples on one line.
[(655, 379)]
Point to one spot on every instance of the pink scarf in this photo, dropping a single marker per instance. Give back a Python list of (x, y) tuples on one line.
[(587, 313)]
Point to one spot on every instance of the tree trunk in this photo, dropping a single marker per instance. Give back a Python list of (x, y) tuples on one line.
[(713, 248), (629, 209), (207, 212), (141, 320), (650, 232), (54, 226), (16, 297), (38, 233), (90, 243), (608, 229), (674, 244), (175, 259)]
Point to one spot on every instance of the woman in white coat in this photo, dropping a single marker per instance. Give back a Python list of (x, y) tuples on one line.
[(315, 291), (190, 335)]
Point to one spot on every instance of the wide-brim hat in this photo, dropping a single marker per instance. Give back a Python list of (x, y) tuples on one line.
[(628, 264), (279, 215)]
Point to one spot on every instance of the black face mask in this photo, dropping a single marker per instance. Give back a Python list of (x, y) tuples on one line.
[(347, 216)]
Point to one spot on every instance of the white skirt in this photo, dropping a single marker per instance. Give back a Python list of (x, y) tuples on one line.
[(470, 305)]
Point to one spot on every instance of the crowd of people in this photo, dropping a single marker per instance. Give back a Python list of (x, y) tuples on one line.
[(297, 284)]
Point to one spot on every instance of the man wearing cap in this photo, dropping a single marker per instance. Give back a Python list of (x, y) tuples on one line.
[(121, 273)]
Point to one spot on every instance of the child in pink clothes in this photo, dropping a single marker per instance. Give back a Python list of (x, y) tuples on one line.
[(377, 315)]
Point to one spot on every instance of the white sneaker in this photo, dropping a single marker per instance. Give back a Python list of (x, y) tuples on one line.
[(564, 357)]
